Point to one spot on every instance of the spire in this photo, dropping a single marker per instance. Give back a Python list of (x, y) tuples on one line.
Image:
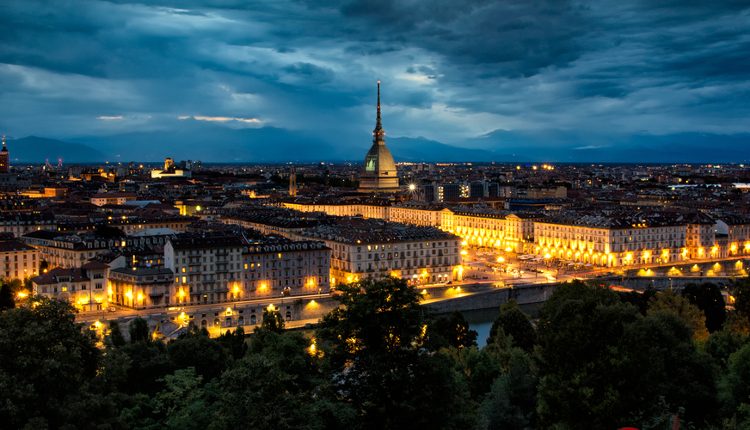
[(378, 133), (5, 148)]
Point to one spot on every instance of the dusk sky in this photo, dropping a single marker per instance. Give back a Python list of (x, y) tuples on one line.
[(452, 71)]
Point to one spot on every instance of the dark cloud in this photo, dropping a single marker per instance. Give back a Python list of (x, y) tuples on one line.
[(450, 70)]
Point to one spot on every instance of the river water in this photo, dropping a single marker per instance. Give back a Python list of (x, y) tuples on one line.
[(481, 320)]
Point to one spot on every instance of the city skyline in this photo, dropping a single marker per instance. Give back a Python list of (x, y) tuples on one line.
[(492, 81)]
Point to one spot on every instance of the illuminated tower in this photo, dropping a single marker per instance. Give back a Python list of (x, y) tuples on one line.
[(293, 182), (4, 158), (379, 173)]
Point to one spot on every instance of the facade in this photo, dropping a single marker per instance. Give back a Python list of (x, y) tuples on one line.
[(21, 223), (74, 250), (140, 287), (482, 228), (379, 173), (286, 267), (101, 199), (370, 248), (207, 267), (170, 170), (83, 287), (623, 240), (18, 260)]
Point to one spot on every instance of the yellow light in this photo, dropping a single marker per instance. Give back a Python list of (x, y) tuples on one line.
[(412, 187), (501, 259), (22, 295), (129, 294), (181, 293), (228, 311), (508, 249), (464, 243), (271, 308), (198, 208), (139, 297), (263, 287), (312, 304), (547, 256), (464, 252)]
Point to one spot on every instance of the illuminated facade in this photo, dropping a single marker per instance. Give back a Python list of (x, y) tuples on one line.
[(205, 267), (140, 287), (368, 248), (18, 260), (625, 241), (83, 287), (291, 268), (488, 229)]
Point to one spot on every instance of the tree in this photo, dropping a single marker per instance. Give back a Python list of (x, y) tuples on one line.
[(115, 334), (204, 355), (373, 344), (511, 405), (741, 293), (7, 300), (708, 298), (723, 343), (669, 302), (664, 369), (234, 342), (579, 330), (46, 364), (450, 331), (735, 385), (139, 331), (183, 403), (272, 320), (515, 324)]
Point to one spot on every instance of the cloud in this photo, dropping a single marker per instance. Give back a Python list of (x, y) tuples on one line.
[(222, 119), (450, 71), (110, 117)]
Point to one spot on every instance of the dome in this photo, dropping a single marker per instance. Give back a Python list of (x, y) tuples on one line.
[(379, 172)]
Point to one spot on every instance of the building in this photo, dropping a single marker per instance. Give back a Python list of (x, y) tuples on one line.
[(624, 239), (363, 248), (140, 287), (171, 170), (4, 158), (18, 260), (273, 267), (101, 199), (379, 173), (20, 223), (83, 287), (206, 266)]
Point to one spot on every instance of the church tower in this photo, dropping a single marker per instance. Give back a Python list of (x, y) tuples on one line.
[(379, 173), (4, 158)]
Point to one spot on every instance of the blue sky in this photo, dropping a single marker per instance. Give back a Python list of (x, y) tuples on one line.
[(452, 71)]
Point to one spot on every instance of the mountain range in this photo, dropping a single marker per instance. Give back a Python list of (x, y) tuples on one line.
[(215, 143)]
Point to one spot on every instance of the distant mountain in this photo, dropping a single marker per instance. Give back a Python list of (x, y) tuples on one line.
[(422, 149), (37, 149), (566, 146), (215, 143), (210, 142)]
